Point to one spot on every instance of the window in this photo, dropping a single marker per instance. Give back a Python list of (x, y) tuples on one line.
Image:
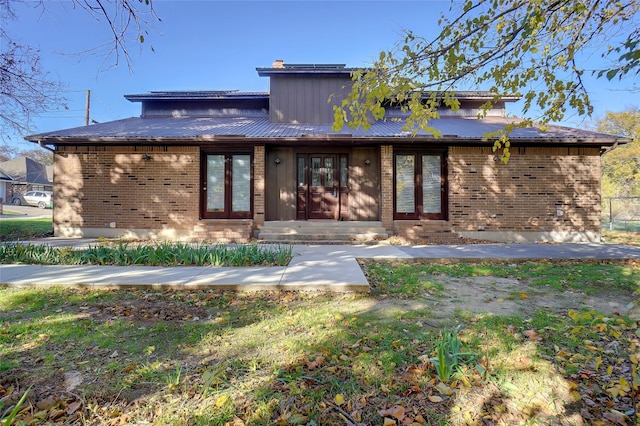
[(419, 186), (226, 185)]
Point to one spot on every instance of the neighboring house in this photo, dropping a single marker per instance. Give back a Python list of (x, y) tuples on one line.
[(5, 187), (235, 165), (27, 175)]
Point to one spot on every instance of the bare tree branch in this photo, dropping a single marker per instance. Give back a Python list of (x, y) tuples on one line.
[(26, 89)]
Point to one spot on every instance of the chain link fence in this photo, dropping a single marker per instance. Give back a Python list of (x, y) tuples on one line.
[(621, 213)]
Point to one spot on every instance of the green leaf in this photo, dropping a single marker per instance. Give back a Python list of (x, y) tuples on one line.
[(9, 419), (611, 74)]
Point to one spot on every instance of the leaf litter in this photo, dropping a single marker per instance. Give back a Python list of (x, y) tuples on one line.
[(587, 363)]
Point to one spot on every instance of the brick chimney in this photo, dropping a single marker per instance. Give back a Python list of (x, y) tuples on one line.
[(278, 63)]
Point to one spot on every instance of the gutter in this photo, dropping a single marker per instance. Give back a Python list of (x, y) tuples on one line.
[(48, 148)]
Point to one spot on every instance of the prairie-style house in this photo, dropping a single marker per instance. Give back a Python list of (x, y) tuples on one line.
[(231, 165)]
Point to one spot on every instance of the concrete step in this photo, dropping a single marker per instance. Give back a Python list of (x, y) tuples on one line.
[(319, 224), (322, 231), (322, 237), (440, 237)]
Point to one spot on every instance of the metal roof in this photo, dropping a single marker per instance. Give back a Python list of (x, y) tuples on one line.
[(236, 95), (196, 95), (25, 170), (287, 69), (5, 176), (454, 130)]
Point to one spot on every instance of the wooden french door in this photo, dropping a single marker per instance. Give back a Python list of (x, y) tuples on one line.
[(322, 186)]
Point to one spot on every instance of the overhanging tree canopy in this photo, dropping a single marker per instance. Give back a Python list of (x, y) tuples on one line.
[(539, 49), (621, 166)]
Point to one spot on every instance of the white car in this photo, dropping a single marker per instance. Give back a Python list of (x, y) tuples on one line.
[(41, 199)]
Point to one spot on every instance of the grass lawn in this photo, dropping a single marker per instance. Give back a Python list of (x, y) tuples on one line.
[(413, 351), (21, 229)]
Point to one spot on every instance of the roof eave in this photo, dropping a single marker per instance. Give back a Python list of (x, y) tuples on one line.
[(269, 72), (328, 138), (147, 98)]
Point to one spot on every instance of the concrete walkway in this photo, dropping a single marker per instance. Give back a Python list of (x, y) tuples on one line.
[(313, 267)]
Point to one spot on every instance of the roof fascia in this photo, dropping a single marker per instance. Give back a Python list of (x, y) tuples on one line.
[(450, 140), (270, 72), (197, 96)]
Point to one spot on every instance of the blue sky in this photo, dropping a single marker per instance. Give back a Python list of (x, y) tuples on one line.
[(209, 45)]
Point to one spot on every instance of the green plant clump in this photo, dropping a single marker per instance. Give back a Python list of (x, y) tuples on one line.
[(7, 417), (451, 355), (124, 254)]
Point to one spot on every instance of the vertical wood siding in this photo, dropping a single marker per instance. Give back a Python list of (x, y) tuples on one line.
[(303, 99), (364, 182), (281, 185)]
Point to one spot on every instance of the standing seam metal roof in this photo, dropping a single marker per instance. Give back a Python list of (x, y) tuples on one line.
[(260, 127)]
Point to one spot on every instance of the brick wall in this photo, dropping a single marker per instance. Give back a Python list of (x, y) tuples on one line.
[(148, 192), (153, 192), (258, 185), (386, 186), (540, 189), (542, 194)]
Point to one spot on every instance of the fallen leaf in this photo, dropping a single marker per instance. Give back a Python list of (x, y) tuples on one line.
[(339, 399), (56, 414), (444, 389), (312, 365), (524, 296), (73, 407), (46, 404), (598, 362), (532, 335), (435, 398), (615, 417), (389, 422), (129, 368), (297, 419), (600, 327), (396, 411), (221, 401)]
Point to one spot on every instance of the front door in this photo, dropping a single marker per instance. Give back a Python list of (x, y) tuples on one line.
[(323, 190), (322, 186)]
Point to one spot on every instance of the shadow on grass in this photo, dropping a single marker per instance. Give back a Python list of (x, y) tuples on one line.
[(204, 357)]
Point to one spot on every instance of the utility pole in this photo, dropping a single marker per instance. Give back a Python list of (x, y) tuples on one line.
[(86, 111)]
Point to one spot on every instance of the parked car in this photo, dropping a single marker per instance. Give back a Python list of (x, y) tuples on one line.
[(41, 199)]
